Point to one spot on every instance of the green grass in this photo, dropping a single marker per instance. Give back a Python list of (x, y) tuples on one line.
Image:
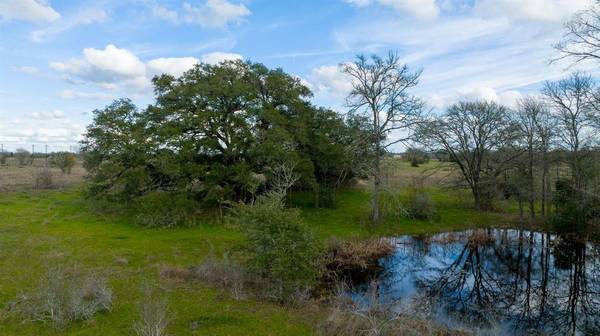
[(39, 231)]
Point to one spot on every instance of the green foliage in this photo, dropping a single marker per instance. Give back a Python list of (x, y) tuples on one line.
[(575, 209), (211, 132), (64, 160), (420, 206), (160, 209), (279, 246)]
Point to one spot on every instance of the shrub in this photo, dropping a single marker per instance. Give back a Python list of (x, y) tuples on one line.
[(416, 156), (420, 206), (61, 299), (374, 316), (161, 209), (43, 179), (225, 274), (392, 206), (23, 157), (64, 160), (153, 315), (279, 247)]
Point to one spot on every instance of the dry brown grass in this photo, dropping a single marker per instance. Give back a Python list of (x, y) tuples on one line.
[(349, 257), (14, 177)]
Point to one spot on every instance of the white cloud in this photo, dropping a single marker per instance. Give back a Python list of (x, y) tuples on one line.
[(47, 128), (508, 98), (54, 114), (83, 17), (421, 9), (28, 69), (214, 13), (114, 68), (107, 66), (175, 66), (531, 10), (218, 57), (27, 10), (73, 94), (329, 80), (164, 13)]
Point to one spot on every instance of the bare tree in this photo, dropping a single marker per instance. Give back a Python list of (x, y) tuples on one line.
[(381, 94), (475, 135), (573, 103), (535, 128), (546, 132), (581, 40)]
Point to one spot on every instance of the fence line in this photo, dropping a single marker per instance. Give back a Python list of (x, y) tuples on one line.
[(38, 149)]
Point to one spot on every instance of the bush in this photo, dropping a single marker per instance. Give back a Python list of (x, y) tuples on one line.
[(279, 247), (416, 156), (43, 179), (225, 274), (161, 209), (153, 315), (61, 299), (374, 316), (23, 157), (64, 160), (420, 206)]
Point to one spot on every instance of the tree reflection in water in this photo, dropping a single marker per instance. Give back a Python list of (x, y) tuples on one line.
[(515, 281)]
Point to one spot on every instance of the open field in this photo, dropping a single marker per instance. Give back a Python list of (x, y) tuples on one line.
[(15, 177), (45, 230)]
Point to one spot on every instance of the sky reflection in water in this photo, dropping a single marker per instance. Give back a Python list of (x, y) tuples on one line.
[(509, 282)]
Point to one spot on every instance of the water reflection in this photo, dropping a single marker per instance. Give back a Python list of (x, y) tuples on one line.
[(505, 281)]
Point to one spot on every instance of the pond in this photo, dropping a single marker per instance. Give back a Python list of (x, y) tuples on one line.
[(497, 281)]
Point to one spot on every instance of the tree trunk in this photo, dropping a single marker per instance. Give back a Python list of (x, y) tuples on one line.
[(544, 190), (376, 185), (476, 197), (531, 188)]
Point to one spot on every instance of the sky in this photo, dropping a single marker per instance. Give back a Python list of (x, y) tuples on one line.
[(60, 60)]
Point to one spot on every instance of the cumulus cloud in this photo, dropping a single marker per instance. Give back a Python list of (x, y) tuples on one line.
[(83, 17), (531, 10), (114, 68), (110, 65), (175, 66), (421, 9), (329, 80), (27, 10), (44, 128), (508, 98), (218, 57)]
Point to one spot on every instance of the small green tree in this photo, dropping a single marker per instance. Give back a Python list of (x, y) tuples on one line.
[(65, 161), (280, 248)]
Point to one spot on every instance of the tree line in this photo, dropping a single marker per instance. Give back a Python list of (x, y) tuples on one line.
[(224, 133)]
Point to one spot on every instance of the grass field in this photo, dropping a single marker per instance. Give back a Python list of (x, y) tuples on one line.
[(42, 230), (15, 177)]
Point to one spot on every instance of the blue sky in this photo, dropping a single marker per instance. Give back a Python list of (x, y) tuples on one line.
[(59, 60)]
